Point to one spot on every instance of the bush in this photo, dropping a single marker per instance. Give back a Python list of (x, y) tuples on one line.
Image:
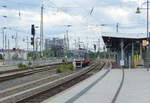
[(58, 70), (63, 68), (22, 66), (29, 63), (70, 66)]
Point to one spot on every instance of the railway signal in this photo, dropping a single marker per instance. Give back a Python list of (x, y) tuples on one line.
[(32, 41), (33, 38), (33, 34)]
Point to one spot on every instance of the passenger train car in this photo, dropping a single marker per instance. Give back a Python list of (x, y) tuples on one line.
[(81, 58)]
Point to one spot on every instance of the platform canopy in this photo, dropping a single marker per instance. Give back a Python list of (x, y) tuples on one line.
[(113, 40)]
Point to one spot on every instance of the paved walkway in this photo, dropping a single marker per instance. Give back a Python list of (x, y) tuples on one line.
[(136, 88)]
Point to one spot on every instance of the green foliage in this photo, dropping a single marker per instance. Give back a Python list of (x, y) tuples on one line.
[(58, 70), (63, 68), (29, 63), (30, 55), (22, 66), (1, 56), (93, 55), (33, 56)]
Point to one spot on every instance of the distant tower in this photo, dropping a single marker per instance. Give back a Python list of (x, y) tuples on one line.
[(67, 40), (98, 45)]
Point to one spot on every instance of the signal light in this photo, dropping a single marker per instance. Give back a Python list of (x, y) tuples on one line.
[(32, 40), (33, 34), (32, 30)]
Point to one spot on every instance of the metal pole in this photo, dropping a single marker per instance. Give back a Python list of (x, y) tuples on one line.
[(98, 45), (3, 43), (8, 49), (87, 44), (148, 20), (27, 44), (129, 62), (122, 53), (3, 37), (16, 40), (75, 44), (132, 54), (141, 54), (117, 27), (148, 26), (41, 31), (98, 48), (67, 39)]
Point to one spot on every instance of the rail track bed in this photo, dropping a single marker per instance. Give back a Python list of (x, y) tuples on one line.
[(33, 67), (17, 73), (53, 91), (103, 87), (20, 92), (9, 80)]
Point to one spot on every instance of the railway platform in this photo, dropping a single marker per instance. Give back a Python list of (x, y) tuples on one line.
[(109, 86)]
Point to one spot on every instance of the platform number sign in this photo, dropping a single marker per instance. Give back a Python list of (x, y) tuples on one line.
[(122, 62)]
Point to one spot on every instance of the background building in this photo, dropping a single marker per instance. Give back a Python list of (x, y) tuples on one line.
[(11, 54), (56, 45)]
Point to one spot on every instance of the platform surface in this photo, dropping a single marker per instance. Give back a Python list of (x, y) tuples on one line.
[(136, 88)]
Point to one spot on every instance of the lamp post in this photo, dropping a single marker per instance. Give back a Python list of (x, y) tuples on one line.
[(101, 31), (138, 12), (3, 41), (3, 28)]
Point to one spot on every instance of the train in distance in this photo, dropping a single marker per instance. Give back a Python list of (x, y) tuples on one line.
[(81, 58)]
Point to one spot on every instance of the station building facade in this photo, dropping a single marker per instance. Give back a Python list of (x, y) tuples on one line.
[(129, 48)]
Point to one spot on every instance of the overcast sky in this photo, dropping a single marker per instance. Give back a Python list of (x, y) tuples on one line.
[(85, 16)]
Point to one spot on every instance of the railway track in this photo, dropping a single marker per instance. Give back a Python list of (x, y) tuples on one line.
[(23, 91), (108, 91), (51, 92), (16, 73), (114, 97), (31, 67)]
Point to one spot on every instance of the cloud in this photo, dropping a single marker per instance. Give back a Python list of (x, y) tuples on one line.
[(130, 0), (105, 12), (118, 14), (62, 18)]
